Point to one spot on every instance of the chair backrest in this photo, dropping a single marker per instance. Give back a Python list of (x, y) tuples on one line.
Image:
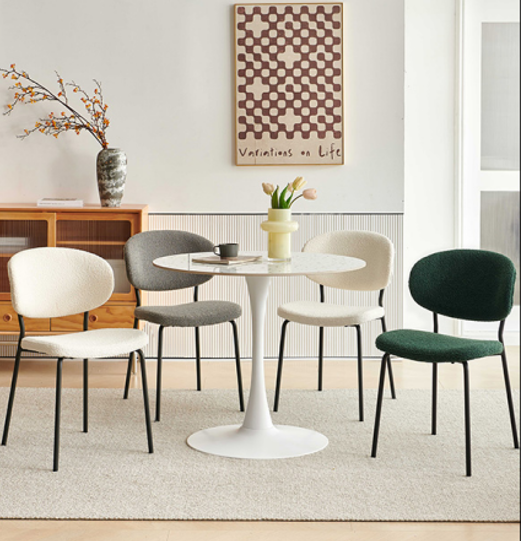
[(475, 285), (375, 249), (141, 250), (57, 282)]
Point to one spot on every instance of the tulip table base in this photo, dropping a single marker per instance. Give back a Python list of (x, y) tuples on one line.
[(258, 437), (236, 441)]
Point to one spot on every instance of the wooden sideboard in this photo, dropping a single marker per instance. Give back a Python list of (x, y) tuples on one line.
[(95, 229)]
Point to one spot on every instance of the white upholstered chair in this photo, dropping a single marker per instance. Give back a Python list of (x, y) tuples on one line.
[(58, 282), (378, 253)]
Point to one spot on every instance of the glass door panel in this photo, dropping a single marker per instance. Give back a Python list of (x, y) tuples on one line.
[(19, 231), (490, 138), (102, 237)]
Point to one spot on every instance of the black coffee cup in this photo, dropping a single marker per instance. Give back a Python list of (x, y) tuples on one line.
[(230, 249)]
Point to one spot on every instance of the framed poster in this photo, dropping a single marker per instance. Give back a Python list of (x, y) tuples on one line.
[(289, 106)]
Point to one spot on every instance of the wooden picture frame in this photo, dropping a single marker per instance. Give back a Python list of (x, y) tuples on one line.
[(289, 107)]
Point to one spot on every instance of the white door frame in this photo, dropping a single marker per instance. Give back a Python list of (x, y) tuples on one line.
[(470, 180)]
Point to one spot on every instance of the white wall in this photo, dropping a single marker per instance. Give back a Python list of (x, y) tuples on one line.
[(430, 160), (168, 78), (167, 74)]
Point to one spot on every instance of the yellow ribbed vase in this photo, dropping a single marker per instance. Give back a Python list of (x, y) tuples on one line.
[(279, 227)]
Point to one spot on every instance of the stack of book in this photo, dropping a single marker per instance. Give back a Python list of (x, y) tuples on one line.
[(217, 260), (60, 202), (11, 245)]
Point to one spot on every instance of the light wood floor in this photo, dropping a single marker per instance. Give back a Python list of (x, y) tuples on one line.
[(484, 374)]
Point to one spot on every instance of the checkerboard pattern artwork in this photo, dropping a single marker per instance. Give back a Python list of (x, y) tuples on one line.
[(289, 84)]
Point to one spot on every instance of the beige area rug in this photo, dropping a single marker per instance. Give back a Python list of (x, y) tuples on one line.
[(107, 474)]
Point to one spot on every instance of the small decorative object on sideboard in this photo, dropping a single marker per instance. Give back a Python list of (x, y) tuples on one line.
[(60, 202), (111, 165), (279, 224)]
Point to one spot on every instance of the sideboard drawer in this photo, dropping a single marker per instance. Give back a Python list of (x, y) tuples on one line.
[(9, 321), (100, 318)]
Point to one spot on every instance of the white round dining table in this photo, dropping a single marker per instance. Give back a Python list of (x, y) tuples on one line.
[(257, 437)]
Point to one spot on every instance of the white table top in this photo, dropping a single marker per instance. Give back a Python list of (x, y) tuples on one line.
[(300, 263)]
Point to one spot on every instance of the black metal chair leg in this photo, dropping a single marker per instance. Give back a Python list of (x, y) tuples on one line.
[(391, 378), (10, 403), (127, 379), (434, 414), (238, 365), (144, 384), (85, 395), (320, 357), (57, 415), (279, 367), (131, 354), (509, 399), (389, 365), (360, 374), (159, 373), (198, 357), (379, 405), (467, 418)]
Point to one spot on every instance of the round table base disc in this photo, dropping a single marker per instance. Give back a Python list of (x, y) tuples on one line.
[(280, 441)]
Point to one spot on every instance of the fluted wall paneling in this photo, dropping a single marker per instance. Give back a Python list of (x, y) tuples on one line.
[(301, 340)]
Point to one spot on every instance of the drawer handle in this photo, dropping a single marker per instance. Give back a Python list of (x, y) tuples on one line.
[(93, 318), (7, 317)]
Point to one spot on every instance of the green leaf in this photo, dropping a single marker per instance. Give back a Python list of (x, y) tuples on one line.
[(275, 199), (283, 202)]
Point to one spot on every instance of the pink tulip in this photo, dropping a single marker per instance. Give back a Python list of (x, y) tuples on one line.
[(268, 188), (310, 193)]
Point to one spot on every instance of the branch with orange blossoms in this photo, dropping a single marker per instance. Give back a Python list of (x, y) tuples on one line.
[(28, 91)]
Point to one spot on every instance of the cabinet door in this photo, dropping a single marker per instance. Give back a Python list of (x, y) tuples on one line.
[(103, 234), (9, 321), (19, 231), (105, 316)]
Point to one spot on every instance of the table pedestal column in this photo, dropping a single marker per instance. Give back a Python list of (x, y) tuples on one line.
[(257, 437), (258, 415)]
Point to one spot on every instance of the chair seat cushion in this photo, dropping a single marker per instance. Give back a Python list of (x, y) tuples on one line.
[(322, 314), (193, 314), (94, 344), (432, 347)]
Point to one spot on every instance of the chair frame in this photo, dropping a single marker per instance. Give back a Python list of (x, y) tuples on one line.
[(197, 360), (434, 405), (57, 412), (321, 358)]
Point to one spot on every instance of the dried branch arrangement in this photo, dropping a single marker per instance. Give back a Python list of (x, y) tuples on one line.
[(27, 91)]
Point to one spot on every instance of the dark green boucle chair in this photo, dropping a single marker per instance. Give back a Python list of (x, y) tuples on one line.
[(474, 285)]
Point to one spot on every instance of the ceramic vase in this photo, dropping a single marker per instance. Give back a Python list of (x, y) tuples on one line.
[(111, 168), (279, 227)]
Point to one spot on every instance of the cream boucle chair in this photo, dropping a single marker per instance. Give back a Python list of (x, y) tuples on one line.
[(58, 282), (378, 253)]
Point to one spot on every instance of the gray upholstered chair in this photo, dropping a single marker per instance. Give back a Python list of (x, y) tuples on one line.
[(378, 253), (140, 252), (58, 282)]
